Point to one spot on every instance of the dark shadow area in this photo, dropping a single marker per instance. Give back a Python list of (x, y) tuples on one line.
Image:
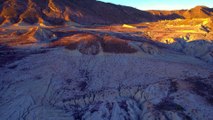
[(9, 54), (69, 33), (201, 87), (172, 16)]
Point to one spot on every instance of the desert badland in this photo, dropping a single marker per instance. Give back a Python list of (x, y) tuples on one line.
[(90, 60)]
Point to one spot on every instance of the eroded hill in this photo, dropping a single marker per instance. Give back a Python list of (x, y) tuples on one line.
[(57, 12)]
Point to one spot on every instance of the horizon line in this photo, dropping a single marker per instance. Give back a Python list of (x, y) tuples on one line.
[(162, 7)]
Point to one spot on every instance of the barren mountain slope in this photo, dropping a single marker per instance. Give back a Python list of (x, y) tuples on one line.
[(58, 12), (61, 11), (196, 12)]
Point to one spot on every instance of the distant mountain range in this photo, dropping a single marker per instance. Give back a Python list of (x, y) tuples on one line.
[(196, 12), (57, 12)]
